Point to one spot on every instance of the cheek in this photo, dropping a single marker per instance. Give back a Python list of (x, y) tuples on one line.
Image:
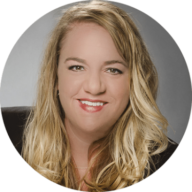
[(120, 90), (123, 97), (68, 84)]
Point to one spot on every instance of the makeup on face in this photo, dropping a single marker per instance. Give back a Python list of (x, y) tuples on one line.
[(92, 106), (93, 80)]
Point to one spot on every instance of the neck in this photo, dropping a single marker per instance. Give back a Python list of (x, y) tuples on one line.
[(80, 142), (79, 148)]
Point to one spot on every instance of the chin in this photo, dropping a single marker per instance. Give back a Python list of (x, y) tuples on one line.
[(89, 128)]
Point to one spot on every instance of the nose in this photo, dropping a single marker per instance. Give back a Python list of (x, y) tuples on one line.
[(94, 84)]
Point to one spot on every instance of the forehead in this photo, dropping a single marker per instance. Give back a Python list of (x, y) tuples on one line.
[(85, 32), (76, 25), (89, 39)]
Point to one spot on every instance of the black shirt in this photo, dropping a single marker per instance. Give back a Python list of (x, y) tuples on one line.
[(161, 158)]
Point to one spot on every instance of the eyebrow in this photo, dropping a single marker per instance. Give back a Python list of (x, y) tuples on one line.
[(106, 62)]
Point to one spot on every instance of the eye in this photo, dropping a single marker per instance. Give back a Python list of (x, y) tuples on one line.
[(76, 68), (79, 68), (114, 71)]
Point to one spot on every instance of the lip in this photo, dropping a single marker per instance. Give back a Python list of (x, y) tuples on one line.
[(92, 100), (91, 109)]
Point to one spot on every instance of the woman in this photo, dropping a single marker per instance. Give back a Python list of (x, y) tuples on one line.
[(96, 125)]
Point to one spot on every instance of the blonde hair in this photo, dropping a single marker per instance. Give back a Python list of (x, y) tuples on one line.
[(124, 157)]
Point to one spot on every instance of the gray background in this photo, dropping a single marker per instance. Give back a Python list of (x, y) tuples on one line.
[(18, 85)]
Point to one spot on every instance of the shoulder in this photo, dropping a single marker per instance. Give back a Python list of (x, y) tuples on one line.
[(161, 158)]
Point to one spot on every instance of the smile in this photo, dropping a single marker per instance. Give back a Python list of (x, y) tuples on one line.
[(91, 105)]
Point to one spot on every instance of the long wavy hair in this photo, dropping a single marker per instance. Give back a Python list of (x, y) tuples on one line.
[(124, 156)]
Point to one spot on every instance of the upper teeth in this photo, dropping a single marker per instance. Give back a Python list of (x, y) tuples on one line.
[(92, 103)]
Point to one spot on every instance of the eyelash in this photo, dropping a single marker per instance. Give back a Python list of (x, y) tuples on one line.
[(119, 72)]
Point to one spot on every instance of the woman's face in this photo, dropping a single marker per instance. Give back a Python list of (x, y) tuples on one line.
[(93, 80)]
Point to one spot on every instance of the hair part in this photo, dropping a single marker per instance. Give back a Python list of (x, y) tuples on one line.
[(140, 133)]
